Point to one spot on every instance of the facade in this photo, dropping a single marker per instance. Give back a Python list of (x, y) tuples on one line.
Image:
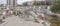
[(11, 3)]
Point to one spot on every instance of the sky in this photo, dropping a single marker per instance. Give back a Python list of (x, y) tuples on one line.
[(18, 1), (21, 1)]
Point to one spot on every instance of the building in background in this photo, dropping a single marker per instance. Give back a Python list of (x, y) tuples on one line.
[(38, 3), (11, 4)]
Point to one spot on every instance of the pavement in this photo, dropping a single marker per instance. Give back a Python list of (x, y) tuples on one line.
[(16, 21)]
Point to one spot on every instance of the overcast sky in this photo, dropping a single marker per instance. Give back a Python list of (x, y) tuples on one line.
[(18, 1)]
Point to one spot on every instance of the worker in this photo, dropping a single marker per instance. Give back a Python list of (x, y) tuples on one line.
[(42, 17)]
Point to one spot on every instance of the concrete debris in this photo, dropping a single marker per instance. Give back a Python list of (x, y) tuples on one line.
[(28, 14)]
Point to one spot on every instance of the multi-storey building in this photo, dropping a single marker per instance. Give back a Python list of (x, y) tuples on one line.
[(11, 3)]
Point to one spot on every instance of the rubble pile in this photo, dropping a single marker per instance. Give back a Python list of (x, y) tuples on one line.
[(29, 14), (25, 13)]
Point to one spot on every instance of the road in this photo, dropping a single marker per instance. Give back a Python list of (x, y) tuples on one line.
[(16, 21)]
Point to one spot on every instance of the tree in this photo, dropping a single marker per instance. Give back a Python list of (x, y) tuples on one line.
[(2, 5), (55, 7), (34, 3), (39, 3)]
